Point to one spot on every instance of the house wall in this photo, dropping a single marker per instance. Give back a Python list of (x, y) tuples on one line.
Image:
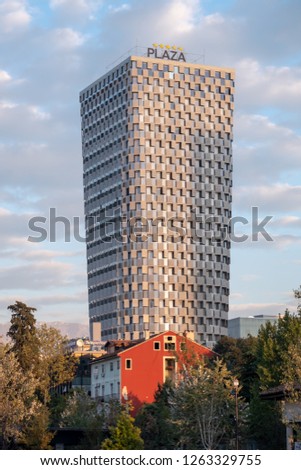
[(105, 379), (149, 366)]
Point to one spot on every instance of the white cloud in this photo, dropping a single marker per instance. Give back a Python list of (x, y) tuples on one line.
[(276, 198), (67, 38), (82, 5), (262, 85), (14, 16), (4, 212), (38, 114), (7, 105), (264, 150), (120, 8), (180, 15), (4, 76), (75, 10), (214, 19)]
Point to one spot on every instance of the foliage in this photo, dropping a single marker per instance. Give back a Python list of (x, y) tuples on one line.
[(57, 405), (265, 425), (80, 411), (157, 428), (38, 361), (203, 405), (279, 351), (41, 350), (23, 335), (36, 435), (18, 403), (241, 360), (55, 365), (125, 435)]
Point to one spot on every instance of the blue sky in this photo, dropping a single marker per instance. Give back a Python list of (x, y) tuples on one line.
[(52, 49)]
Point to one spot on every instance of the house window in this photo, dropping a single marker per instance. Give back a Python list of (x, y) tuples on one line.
[(169, 368), (156, 345), (170, 346), (128, 364), (111, 366)]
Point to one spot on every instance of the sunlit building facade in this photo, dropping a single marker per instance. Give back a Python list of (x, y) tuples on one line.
[(157, 153)]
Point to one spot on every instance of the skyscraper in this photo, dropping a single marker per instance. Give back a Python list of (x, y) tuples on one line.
[(157, 153)]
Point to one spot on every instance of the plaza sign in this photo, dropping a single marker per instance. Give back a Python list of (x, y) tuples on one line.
[(161, 51)]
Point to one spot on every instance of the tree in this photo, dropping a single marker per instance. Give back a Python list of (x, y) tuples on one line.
[(41, 350), (265, 425), (41, 355), (18, 403), (23, 335), (155, 421), (240, 356), (93, 419), (36, 434), (125, 435), (55, 365), (279, 351), (203, 406)]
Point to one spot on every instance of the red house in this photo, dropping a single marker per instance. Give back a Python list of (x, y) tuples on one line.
[(132, 370)]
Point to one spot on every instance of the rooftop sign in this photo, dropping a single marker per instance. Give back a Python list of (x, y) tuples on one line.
[(161, 51)]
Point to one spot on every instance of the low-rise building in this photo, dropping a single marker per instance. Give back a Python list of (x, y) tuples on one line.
[(241, 327), (130, 371)]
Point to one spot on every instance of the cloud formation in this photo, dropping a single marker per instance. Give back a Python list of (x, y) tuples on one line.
[(51, 50)]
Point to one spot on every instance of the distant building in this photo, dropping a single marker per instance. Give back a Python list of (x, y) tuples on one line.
[(241, 327), (85, 351), (132, 370)]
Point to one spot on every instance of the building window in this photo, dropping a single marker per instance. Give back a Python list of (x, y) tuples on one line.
[(128, 364), (169, 343), (170, 346), (156, 345), (169, 368), (111, 366)]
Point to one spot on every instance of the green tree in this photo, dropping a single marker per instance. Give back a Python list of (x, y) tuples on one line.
[(265, 425), (203, 405), (240, 356), (41, 350), (23, 335), (155, 421), (55, 365), (18, 403), (42, 356), (125, 435), (36, 434), (93, 418), (279, 352)]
